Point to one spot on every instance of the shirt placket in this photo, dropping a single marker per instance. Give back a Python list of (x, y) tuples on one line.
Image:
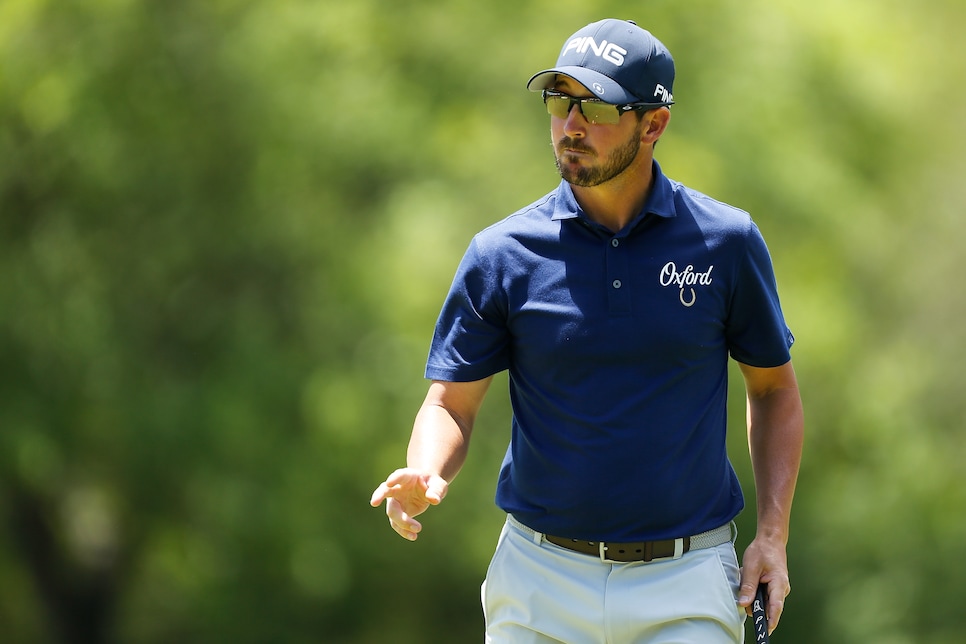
[(617, 276)]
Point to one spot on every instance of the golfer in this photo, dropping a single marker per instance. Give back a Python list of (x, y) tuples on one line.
[(615, 303)]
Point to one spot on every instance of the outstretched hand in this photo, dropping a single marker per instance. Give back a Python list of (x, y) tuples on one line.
[(408, 493)]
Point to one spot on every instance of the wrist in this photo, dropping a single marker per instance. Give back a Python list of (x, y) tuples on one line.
[(772, 533)]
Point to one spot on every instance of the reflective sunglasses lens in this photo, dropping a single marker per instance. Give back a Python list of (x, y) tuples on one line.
[(595, 112), (600, 113), (558, 106)]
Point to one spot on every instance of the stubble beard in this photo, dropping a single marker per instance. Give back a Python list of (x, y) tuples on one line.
[(594, 175)]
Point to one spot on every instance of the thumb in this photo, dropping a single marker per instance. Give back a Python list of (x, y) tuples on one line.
[(436, 489), (750, 577)]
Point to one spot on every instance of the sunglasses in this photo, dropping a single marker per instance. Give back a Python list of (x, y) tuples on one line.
[(596, 111)]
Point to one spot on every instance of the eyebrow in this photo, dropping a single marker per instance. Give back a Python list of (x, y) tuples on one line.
[(561, 79)]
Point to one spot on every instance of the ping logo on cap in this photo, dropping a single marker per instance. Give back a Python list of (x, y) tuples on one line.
[(609, 51)]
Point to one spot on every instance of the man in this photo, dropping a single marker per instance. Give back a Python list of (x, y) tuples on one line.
[(614, 302)]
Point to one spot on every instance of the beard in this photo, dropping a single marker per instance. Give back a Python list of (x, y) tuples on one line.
[(594, 175)]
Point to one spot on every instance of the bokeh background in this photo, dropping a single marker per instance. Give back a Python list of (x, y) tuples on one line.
[(226, 228)]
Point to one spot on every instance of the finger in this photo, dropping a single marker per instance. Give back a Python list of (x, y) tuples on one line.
[(750, 578), (383, 492), (406, 526), (776, 603), (401, 476), (399, 517), (408, 535), (773, 617), (386, 489), (379, 495)]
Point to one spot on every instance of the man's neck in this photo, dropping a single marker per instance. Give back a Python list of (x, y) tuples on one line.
[(617, 202)]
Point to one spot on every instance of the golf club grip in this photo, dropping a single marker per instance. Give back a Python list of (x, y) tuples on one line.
[(759, 615)]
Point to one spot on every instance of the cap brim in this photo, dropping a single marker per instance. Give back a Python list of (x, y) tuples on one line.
[(602, 86)]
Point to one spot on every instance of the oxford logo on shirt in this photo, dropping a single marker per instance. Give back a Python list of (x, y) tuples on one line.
[(685, 279)]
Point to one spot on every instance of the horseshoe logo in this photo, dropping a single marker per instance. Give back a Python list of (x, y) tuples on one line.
[(694, 296)]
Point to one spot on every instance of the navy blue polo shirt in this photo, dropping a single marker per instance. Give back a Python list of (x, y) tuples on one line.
[(617, 348)]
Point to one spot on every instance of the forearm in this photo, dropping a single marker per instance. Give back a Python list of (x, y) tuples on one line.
[(775, 438), (441, 433), (439, 442)]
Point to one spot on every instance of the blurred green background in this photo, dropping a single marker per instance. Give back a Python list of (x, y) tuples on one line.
[(227, 226)]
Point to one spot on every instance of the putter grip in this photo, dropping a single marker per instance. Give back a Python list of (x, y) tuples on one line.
[(759, 615)]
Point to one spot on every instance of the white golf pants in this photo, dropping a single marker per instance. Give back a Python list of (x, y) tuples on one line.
[(539, 593)]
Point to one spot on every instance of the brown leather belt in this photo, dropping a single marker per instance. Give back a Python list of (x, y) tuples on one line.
[(645, 551)]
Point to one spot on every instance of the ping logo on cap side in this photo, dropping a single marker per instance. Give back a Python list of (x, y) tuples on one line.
[(609, 51)]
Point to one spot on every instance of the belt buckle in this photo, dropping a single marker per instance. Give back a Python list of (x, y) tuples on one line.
[(648, 555), (602, 550)]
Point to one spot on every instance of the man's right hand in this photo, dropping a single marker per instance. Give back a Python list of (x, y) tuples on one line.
[(408, 493)]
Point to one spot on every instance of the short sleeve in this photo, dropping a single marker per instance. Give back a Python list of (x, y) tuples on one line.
[(757, 334), (471, 341)]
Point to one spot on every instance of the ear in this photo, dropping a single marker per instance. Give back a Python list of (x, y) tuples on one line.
[(657, 121)]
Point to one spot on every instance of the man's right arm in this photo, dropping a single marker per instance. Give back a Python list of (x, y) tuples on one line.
[(437, 451)]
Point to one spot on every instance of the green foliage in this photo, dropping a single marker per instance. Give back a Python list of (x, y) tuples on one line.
[(226, 228)]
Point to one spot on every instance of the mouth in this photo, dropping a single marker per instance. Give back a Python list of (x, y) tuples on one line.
[(571, 147), (576, 152)]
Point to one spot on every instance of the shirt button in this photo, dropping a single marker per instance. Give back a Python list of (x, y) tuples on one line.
[(615, 243), (617, 283)]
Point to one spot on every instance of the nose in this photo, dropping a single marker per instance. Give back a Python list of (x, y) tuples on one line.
[(575, 125)]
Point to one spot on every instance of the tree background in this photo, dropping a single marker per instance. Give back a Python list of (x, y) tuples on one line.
[(226, 228)]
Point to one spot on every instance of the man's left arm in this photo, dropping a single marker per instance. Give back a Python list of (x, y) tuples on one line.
[(775, 436)]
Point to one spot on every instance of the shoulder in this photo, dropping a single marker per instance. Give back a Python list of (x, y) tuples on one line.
[(710, 212), (503, 246), (684, 206), (535, 219)]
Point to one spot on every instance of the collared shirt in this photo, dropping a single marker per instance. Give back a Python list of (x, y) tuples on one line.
[(617, 348)]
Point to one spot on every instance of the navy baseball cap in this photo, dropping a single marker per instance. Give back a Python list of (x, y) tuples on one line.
[(616, 60)]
